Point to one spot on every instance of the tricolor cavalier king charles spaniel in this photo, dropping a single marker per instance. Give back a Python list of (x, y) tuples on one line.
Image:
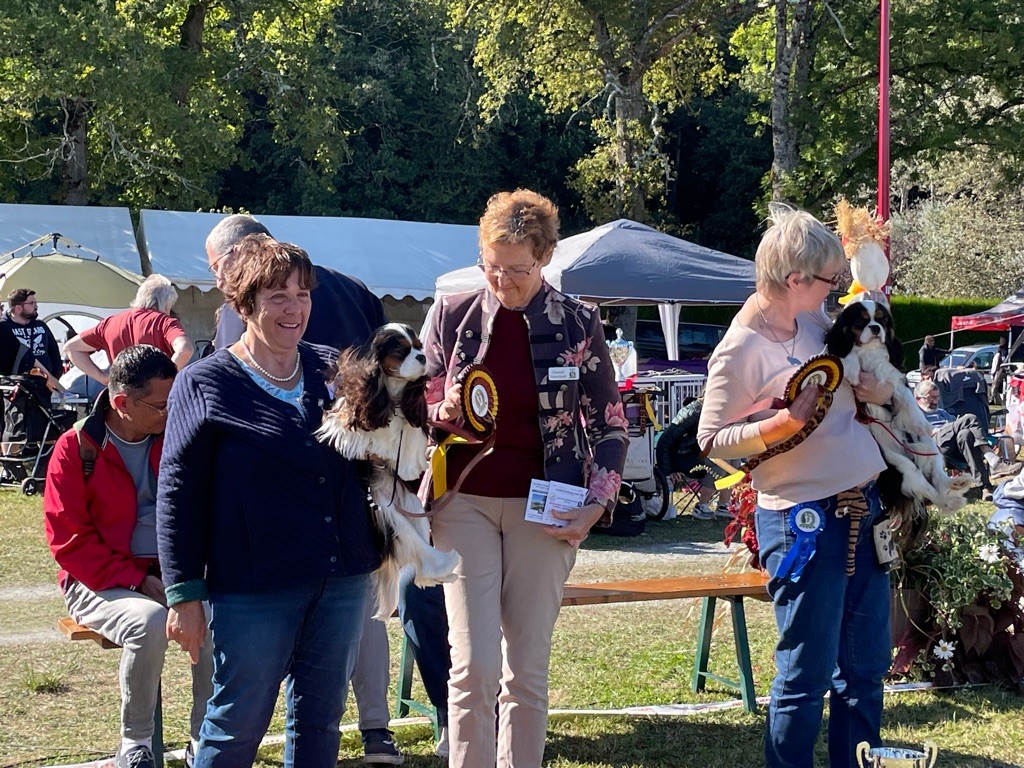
[(381, 414), (864, 337)]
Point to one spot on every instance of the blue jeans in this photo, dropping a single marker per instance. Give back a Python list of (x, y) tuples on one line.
[(307, 636), (833, 636), (425, 623)]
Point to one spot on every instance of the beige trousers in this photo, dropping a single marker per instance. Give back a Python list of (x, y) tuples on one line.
[(502, 609)]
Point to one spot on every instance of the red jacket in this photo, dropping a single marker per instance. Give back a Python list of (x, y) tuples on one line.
[(89, 524)]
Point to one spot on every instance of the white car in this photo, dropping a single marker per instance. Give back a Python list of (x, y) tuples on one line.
[(977, 355)]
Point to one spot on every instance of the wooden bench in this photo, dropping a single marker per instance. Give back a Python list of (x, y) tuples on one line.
[(733, 587), (74, 631)]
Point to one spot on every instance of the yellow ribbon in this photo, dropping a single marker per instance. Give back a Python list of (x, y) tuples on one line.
[(439, 464), (650, 413)]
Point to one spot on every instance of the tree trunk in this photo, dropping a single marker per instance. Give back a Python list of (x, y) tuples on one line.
[(629, 198), (192, 28), (73, 152), (792, 46), (191, 41)]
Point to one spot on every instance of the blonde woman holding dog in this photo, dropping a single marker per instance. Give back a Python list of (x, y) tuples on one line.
[(833, 627), (551, 368)]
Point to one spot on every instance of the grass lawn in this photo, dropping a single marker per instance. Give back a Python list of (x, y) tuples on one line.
[(59, 702)]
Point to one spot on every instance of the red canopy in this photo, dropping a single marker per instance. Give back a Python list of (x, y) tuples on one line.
[(1004, 315)]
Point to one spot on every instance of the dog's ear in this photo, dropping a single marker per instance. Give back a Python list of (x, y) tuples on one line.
[(839, 338), (361, 383), (893, 345), (414, 403)]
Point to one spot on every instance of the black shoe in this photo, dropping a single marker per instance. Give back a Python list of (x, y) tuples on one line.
[(379, 748), (136, 757), (190, 755)]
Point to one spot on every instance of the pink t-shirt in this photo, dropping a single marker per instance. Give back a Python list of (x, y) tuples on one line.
[(134, 326), (747, 369)]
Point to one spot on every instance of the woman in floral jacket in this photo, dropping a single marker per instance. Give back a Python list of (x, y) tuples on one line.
[(559, 418)]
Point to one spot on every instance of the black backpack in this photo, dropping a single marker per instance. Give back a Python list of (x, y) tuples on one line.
[(629, 519)]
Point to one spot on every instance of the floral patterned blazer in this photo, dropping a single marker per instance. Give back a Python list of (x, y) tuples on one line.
[(582, 423)]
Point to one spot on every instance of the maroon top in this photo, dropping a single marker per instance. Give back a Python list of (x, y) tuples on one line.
[(134, 326), (518, 455)]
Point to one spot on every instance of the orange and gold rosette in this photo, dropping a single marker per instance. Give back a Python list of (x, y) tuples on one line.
[(824, 370), (476, 424)]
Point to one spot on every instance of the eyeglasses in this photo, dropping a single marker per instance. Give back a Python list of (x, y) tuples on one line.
[(833, 281), (215, 266), (162, 411), (512, 272)]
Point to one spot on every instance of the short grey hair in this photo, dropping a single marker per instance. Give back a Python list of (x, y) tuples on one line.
[(795, 242), (229, 232), (925, 388), (156, 292)]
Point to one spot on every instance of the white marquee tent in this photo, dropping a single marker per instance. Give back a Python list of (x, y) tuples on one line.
[(398, 260), (86, 232)]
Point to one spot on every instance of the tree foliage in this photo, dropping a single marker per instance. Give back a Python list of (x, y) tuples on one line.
[(618, 66), (960, 232), (957, 82)]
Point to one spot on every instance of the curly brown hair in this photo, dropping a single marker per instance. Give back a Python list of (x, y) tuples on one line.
[(261, 262), (521, 216)]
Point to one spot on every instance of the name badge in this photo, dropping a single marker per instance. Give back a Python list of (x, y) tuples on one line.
[(565, 373)]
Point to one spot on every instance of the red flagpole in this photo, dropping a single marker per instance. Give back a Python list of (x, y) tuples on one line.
[(883, 120)]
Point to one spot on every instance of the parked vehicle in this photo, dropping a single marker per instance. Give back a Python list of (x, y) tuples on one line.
[(696, 343), (976, 355)]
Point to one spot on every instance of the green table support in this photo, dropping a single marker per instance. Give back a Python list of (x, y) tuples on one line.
[(701, 673), (405, 700)]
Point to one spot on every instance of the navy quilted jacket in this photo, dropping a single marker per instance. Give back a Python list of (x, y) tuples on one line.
[(248, 500)]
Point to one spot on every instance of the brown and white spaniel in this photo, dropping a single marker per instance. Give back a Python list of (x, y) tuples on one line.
[(380, 413)]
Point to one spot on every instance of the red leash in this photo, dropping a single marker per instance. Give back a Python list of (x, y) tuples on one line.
[(867, 418)]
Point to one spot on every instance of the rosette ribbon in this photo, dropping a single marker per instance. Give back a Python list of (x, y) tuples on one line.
[(806, 521)]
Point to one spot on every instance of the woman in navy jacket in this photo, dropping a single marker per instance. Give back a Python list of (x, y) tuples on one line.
[(268, 524)]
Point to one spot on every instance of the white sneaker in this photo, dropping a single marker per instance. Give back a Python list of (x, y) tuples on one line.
[(441, 750), (702, 512), (722, 510)]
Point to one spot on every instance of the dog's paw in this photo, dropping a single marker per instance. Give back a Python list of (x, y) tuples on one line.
[(439, 568)]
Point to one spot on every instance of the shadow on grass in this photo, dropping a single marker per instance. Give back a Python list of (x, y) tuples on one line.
[(659, 534), (656, 743)]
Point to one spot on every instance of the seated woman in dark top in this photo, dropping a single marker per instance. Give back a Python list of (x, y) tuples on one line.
[(678, 457)]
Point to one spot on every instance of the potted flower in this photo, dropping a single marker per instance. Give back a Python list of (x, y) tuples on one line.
[(972, 625)]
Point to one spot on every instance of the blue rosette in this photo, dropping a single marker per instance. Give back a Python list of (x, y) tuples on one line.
[(806, 521)]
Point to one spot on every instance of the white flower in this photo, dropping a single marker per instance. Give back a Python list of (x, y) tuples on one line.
[(944, 650), (988, 553)]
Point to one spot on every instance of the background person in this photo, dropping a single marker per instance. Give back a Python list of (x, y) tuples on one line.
[(833, 627), (24, 421), (962, 440), (503, 605), (344, 314), (999, 372), (929, 354), (677, 454), (148, 321), (425, 623), (101, 527), (270, 524)]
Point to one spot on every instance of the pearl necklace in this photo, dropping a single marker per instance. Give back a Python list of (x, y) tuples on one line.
[(791, 353), (267, 374)]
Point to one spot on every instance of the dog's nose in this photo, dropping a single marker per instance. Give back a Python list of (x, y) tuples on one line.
[(875, 329), (421, 358)]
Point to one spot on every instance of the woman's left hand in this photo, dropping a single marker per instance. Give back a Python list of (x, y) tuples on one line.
[(580, 520), (872, 390)]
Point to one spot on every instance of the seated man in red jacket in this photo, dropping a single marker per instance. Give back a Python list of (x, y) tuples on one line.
[(100, 512)]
